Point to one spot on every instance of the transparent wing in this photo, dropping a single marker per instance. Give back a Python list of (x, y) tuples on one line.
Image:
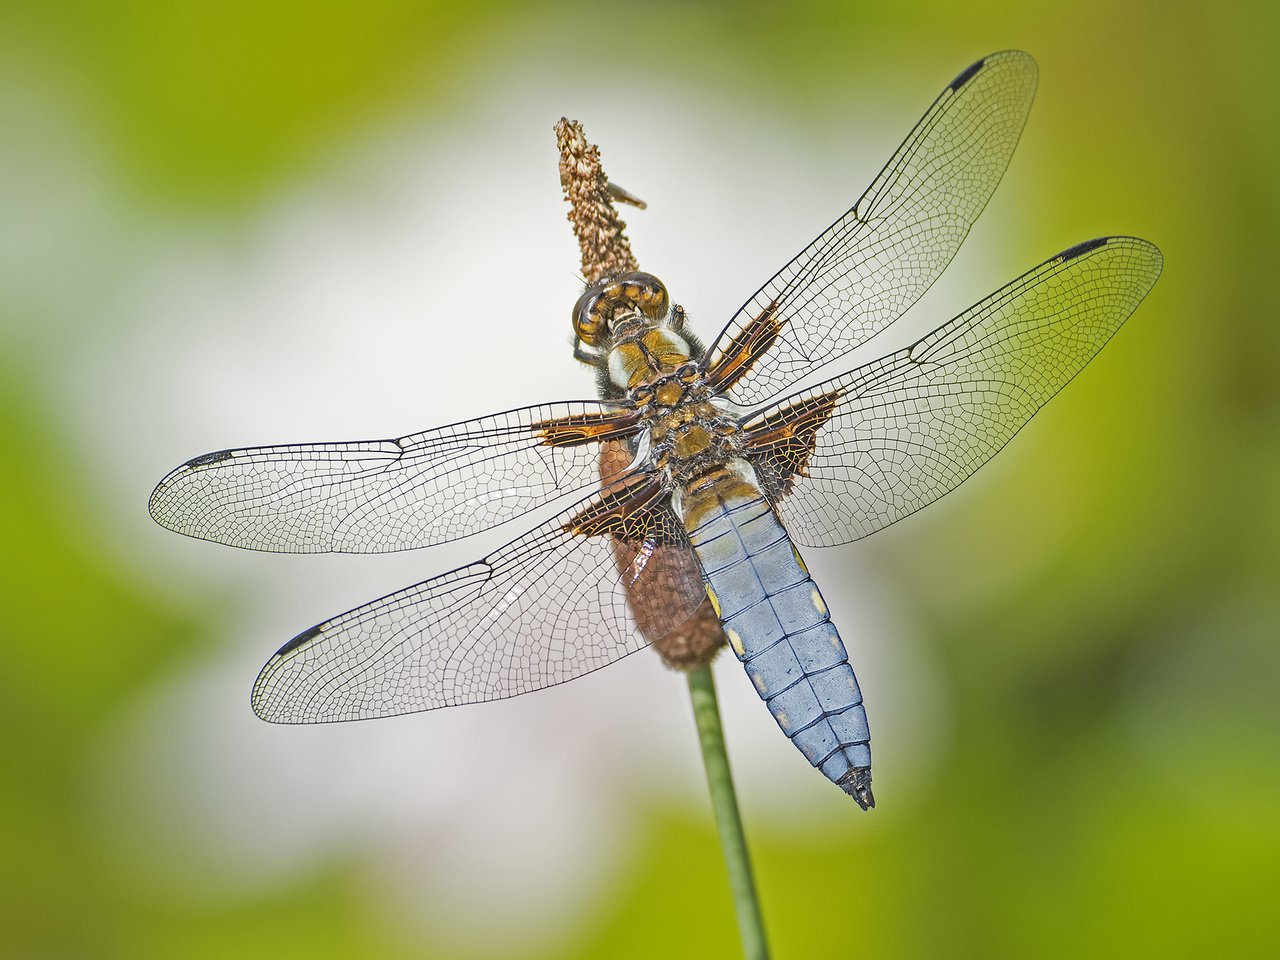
[(873, 263), (548, 607), (375, 496), (912, 426)]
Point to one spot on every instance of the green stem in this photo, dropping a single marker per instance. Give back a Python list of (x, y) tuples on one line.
[(706, 713)]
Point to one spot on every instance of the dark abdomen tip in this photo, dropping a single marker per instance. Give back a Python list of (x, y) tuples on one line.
[(857, 784)]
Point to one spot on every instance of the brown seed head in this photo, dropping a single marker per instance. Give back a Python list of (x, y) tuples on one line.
[(601, 234)]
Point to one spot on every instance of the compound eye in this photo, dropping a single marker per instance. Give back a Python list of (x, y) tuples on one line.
[(646, 292), (588, 318)]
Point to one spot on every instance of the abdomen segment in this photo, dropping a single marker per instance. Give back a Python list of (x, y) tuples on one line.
[(779, 627)]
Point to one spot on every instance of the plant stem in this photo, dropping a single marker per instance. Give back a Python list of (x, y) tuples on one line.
[(706, 714)]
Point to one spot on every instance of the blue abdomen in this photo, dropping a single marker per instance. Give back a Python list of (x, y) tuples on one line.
[(779, 627)]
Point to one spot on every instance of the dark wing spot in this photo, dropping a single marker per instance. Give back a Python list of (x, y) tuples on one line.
[(207, 458), (306, 636), (1082, 248), (966, 75)]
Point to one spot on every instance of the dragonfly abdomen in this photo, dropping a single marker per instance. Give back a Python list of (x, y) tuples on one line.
[(779, 627)]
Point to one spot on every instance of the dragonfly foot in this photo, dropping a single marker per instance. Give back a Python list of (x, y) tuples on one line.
[(857, 784)]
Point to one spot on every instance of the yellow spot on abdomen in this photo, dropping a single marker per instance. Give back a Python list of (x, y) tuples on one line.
[(817, 602), (784, 721), (799, 559), (715, 601), (735, 641), (758, 680)]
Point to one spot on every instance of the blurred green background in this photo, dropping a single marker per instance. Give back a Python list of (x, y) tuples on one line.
[(249, 222)]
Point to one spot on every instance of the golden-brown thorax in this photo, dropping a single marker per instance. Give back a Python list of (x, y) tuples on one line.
[(633, 333)]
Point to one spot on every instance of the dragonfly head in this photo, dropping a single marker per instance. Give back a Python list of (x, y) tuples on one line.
[(627, 328), (612, 301)]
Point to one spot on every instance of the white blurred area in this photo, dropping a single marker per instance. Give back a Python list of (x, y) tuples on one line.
[(421, 273)]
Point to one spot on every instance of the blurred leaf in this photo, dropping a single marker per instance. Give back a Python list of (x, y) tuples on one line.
[(210, 103)]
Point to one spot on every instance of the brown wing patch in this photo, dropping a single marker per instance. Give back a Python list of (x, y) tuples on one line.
[(587, 428), (632, 510), (781, 443), (747, 346)]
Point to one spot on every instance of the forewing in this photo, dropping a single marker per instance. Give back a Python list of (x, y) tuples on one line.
[(897, 434), (548, 607), (375, 496), (873, 263)]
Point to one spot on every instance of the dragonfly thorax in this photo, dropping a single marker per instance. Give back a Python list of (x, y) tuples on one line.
[(692, 438), (643, 355)]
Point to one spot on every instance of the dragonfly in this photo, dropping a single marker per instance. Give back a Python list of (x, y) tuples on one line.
[(731, 463)]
